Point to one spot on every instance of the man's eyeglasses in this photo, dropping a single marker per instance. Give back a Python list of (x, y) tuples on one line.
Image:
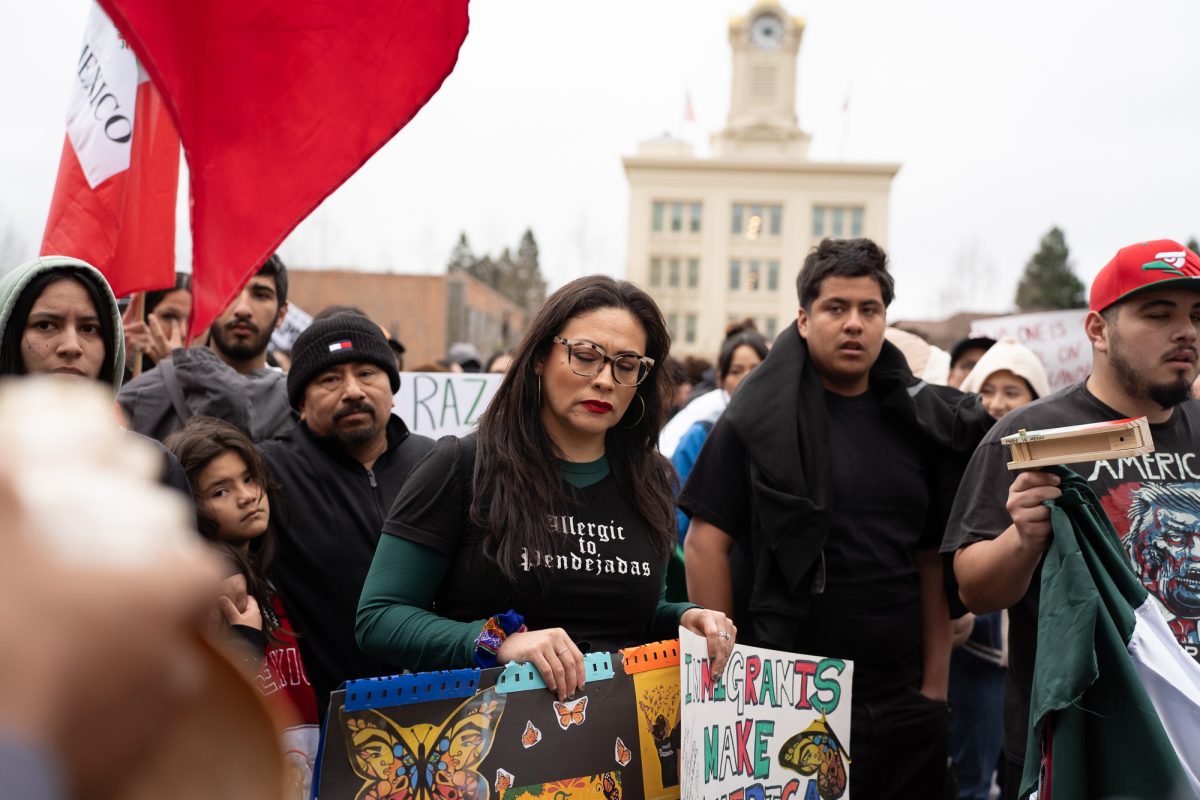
[(587, 360)]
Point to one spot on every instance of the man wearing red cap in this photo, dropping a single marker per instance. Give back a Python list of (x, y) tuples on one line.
[(1143, 322)]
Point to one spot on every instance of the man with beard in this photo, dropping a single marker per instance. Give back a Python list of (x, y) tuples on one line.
[(1143, 322), (229, 379), (339, 469)]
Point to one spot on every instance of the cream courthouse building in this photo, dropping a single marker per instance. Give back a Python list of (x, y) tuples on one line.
[(722, 238)]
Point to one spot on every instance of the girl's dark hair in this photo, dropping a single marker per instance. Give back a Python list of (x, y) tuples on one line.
[(518, 486), (11, 362), (183, 280), (196, 445), (736, 335)]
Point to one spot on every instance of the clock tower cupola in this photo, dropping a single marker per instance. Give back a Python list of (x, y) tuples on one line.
[(762, 110)]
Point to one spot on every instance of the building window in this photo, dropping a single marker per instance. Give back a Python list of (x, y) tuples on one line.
[(689, 330), (694, 217), (772, 276), (676, 217), (673, 273), (672, 324), (753, 277), (656, 223), (693, 278), (770, 327), (831, 221), (656, 271), (735, 274), (753, 221)]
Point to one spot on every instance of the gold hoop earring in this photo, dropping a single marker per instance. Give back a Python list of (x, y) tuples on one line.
[(640, 416)]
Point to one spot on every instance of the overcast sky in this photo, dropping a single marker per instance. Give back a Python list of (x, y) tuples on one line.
[(1007, 118)]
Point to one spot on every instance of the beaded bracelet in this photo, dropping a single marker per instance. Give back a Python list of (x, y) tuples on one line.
[(495, 630)]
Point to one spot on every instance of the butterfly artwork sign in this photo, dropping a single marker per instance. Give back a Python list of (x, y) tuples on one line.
[(499, 734), (775, 725)]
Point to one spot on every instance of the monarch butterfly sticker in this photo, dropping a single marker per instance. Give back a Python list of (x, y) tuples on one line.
[(531, 736), (623, 754), (611, 786), (572, 712), (504, 780)]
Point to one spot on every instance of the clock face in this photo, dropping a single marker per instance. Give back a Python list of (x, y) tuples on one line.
[(766, 31)]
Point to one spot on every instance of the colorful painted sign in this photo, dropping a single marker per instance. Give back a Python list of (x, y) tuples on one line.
[(498, 734), (775, 726)]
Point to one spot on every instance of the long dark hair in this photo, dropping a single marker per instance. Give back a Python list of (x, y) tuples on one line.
[(518, 487), (11, 361), (737, 335), (196, 445)]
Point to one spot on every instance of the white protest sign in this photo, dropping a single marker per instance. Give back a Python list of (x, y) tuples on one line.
[(294, 322), (438, 404), (775, 727), (1057, 338)]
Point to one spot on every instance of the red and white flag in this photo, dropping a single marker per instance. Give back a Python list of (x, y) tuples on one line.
[(114, 200), (277, 104)]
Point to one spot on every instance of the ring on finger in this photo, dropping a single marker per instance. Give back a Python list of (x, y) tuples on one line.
[(723, 635), (560, 652)]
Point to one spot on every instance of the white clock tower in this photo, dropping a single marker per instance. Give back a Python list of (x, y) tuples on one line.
[(762, 109)]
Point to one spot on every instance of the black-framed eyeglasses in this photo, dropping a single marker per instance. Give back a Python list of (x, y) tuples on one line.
[(587, 360)]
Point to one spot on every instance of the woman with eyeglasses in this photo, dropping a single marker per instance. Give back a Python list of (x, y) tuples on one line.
[(545, 534)]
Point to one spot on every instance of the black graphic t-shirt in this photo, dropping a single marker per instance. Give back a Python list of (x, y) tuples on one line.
[(1152, 500), (601, 583)]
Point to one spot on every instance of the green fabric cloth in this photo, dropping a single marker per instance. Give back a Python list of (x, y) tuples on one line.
[(1105, 735), (395, 617)]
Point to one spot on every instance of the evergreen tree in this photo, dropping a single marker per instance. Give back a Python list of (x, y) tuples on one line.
[(519, 278), (461, 257), (525, 285), (1193, 245), (1049, 282)]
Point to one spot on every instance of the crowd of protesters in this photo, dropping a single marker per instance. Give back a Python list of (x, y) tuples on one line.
[(831, 493)]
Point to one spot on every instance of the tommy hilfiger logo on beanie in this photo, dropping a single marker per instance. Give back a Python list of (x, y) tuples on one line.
[(340, 339)]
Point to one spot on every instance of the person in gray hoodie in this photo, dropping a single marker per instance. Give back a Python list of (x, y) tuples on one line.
[(58, 316), (229, 379)]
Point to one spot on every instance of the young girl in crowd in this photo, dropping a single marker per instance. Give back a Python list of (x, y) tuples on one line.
[(548, 531), (1007, 376), (744, 349), (229, 481)]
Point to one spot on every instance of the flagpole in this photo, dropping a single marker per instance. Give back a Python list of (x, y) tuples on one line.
[(138, 304)]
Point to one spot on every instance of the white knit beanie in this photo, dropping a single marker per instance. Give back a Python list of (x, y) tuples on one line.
[(1013, 356)]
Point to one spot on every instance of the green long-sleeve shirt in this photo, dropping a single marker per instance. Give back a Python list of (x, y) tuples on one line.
[(395, 617)]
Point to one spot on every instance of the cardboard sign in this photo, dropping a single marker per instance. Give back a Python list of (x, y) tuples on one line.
[(498, 734), (294, 323), (776, 726), (1056, 337), (436, 404)]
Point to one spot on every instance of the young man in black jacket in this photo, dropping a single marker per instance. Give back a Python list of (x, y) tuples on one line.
[(340, 470), (829, 477)]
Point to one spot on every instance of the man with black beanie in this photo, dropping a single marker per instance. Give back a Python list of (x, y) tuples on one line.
[(339, 470)]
